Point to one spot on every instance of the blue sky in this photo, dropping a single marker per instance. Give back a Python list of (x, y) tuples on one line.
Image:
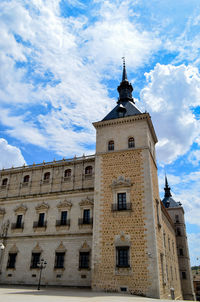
[(60, 67)]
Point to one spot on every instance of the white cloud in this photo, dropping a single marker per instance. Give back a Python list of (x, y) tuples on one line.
[(170, 94), (75, 53), (194, 157), (10, 155)]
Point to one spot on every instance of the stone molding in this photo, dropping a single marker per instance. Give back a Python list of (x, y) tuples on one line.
[(37, 248), (85, 247), (14, 249), (64, 205), (42, 207), (86, 202), (61, 247), (21, 209), (121, 181)]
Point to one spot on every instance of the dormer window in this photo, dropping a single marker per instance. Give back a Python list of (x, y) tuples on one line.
[(68, 173), (131, 142), (5, 182), (88, 170), (111, 145), (26, 178)]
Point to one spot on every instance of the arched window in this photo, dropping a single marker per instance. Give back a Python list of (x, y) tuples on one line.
[(47, 176), (88, 170), (5, 182), (68, 173), (26, 178), (111, 145), (131, 142)]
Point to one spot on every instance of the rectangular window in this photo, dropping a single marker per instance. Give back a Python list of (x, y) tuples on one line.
[(181, 252), (19, 221), (122, 254), (86, 216), (35, 259), (59, 260), (162, 267), (177, 218), (84, 259), (63, 217), (121, 201), (11, 260), (41, 220), (183, 275)]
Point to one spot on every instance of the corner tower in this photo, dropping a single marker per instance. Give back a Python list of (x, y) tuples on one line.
[(125, 252), (176, 212)]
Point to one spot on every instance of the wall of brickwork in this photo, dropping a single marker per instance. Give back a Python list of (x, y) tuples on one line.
[(127, 226)]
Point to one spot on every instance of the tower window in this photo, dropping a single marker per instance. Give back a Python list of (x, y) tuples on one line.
[(178, 232), (47, 176), (88, 170), (111, 145), (177, 218), (181, 252), (26, 178), (68, 173), (63, 218), (131, 142), (5, 182), (122, 254), (121, 201), (11, 260), (183, 275)]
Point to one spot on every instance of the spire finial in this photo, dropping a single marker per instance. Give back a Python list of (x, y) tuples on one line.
[(124, 75), (167, 188)]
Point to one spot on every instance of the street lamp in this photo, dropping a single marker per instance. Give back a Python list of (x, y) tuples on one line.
[(42, 264), (2, 247)]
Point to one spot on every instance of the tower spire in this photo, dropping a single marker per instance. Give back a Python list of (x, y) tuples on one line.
[(167, 188), (124, 75), (125, 88)]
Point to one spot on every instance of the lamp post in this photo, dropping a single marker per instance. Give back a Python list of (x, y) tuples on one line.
[(42, 264), (2, 247)]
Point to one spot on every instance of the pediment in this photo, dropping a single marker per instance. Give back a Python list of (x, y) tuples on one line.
[(61, 247), (64, 205), (86, 202), (42, 207), (21, 209), (37, 248), (85, 246), (121, 181), (2, 212)]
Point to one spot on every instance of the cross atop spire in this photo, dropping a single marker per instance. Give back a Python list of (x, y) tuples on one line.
[(167, 188), (124, 75)]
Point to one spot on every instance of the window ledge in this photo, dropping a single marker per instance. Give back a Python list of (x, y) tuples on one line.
[(59, 268), (84, 268)]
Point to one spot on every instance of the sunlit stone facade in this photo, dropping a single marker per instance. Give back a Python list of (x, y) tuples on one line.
[(96, 220)]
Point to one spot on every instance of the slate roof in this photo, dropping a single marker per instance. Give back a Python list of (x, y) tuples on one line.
[(131, 109), (169, 202)]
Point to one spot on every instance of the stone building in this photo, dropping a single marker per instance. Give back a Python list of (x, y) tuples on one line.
[(97, 220)]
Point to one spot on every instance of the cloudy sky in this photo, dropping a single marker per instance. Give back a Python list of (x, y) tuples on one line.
[(60, 64)]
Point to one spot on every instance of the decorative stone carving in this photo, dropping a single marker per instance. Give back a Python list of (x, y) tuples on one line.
[(64, 205), (21, 209), (61, 247), (86, 202), (85, 247), (121, 182), (42, 207), (4, 228), (122, 240), (37, 248)]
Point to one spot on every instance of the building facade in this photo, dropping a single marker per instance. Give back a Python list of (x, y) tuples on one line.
[(97, 220)]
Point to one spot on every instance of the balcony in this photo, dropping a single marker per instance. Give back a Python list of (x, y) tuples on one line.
[(39, 224), (82, 221), (124, 207), (15, 226), (63, 222)]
